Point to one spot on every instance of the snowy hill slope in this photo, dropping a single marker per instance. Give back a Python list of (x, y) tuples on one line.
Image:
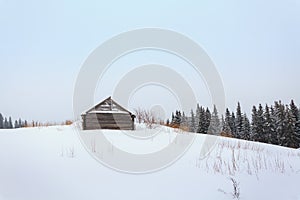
[(50, 163)]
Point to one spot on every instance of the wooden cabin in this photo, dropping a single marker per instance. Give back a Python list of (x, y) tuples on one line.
[(108, 114)]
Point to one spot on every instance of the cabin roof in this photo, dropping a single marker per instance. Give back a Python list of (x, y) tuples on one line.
[(112, 111), (108, 105)]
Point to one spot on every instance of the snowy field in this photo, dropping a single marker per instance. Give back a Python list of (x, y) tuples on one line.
[(50, 163)]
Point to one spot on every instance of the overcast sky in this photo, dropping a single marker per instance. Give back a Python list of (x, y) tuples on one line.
[(255, 46)]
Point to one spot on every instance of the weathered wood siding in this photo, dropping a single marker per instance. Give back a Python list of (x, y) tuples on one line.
[(108, 114), (121, 121)]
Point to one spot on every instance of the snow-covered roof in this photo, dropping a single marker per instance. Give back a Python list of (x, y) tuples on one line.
[(108, 111), (107, 106)]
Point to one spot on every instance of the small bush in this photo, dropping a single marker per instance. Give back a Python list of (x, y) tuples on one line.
[(68, 122)]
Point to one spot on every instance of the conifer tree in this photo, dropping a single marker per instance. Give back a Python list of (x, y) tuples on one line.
[(226, 129), (6, 125), (168, 122), (280, 123), (215, 126), (239, 121), (287, 138), (177, 118), (173, 117), (246, 131), (273, 138), (268, 128), (232, 125), (207, 117), (192, 124), (20, 123), (10, 124), (254, 129), (228, 120), (296, 118), (297, 133), (261, 135), (202, 121), (16, 124), (1, 121), (197, 116), (184, 121), (294, 110)]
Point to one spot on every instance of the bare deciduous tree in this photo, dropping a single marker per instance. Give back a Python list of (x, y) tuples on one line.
[(139, 113), (146, 116)]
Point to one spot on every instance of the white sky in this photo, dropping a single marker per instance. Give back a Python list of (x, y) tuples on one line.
[(254, 44)]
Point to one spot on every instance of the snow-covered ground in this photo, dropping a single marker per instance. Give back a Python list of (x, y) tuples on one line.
[(50, 163)]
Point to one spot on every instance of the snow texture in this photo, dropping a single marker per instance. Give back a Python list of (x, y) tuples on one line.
[(50, 163)]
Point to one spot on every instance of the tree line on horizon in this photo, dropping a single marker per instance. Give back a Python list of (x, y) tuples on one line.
[(277, 124), (7, 123)]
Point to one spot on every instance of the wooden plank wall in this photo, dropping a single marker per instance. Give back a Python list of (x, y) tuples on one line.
[(108, 121)]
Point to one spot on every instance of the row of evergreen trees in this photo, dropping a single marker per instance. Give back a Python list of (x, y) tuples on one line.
[(7, 123), (277, 124)]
